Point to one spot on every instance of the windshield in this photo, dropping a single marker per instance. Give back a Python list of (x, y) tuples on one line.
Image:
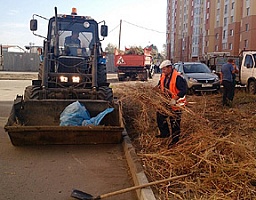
[(196, 68), (73, 36)]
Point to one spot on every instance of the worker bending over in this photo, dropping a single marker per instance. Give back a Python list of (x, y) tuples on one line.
[(173, 84)]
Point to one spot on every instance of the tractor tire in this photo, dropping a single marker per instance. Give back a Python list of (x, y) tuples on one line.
[(105, 93), (252, 87), (101, 75), (31, 92), (40, 71), (27, 93)]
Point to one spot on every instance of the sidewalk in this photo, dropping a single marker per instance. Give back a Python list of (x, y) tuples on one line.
[(8, 75)]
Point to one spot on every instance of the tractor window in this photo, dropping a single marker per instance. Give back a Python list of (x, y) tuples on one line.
[(86, 38), (80, 44)]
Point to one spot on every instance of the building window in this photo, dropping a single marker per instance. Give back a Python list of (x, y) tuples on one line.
[(224, 46), (245, 43), (230, 46), (231, 32), (232, 19), (217, 36), (217, 23), (216, 48), (224, 34), (247, 11), (246, 27), (226, 9), (233, 5), (225, 21)]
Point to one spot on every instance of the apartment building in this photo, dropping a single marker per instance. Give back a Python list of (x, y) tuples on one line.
[(197, 28)]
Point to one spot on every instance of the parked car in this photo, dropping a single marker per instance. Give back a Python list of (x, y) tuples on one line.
[(198, 76)]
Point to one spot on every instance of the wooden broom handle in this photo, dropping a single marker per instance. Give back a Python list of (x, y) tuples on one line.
[(140, 186)]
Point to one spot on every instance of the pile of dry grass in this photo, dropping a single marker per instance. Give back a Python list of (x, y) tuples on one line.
[(217, 148)]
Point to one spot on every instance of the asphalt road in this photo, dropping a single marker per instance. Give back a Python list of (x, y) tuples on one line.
[(51, 172)]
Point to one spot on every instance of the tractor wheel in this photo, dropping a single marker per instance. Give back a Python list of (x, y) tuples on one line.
[(27, 93), (40, 71), (102, 75), (105, 93), (31, 92), (252, 87)]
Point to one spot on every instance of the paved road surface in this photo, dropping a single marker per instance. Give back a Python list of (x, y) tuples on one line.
[(51, 172)]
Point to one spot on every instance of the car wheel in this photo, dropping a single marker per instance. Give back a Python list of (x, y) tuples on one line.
[(252, 87)]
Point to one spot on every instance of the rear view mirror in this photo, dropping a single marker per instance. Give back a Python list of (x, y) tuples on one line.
[(33, 24), (104, 30)]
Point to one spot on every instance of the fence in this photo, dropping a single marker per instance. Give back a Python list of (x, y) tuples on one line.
[(19, 62), (29, 62)]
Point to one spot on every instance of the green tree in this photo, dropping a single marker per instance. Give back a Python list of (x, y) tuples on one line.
[(157, 57), (110, 48)]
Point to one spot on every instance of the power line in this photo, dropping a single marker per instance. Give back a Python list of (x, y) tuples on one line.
[(143, 27), (114, 28)]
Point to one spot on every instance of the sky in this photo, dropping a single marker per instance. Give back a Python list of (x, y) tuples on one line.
[(143, 21)]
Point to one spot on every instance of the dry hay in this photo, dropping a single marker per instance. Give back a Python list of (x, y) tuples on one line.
[(217, 148), (133, 50)]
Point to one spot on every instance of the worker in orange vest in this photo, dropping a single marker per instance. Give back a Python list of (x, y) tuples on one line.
[(172, 83)]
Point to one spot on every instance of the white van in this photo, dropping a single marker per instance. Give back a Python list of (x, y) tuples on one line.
[(248, 71)]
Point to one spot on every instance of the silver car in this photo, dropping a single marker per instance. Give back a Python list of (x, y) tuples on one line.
[(198, 76)]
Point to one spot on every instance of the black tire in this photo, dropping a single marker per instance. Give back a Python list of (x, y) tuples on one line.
[(27, 93), (252, 87), (31, 92), (120, 77), (145, 75), (101, 75), (40, 71), (105, 93)]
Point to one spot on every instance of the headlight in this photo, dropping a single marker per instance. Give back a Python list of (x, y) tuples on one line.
[(63, 79), (192, 80), (75, 79), (216, 79)]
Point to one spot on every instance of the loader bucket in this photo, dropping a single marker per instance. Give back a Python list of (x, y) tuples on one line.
[(36, 122)]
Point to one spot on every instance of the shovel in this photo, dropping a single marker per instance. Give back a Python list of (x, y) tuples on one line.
[(85, 196)]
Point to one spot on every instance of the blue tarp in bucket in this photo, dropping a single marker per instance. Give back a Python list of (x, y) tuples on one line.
[(76, 114)]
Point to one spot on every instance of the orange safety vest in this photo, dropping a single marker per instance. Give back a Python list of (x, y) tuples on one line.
[(173, 89)]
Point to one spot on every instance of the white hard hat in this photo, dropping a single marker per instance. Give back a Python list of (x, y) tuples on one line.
[(165, 63)]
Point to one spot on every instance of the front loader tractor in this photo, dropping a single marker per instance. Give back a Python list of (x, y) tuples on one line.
[(73, 67)]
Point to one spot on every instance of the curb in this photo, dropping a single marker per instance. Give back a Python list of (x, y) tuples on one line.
[(136, 170)]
